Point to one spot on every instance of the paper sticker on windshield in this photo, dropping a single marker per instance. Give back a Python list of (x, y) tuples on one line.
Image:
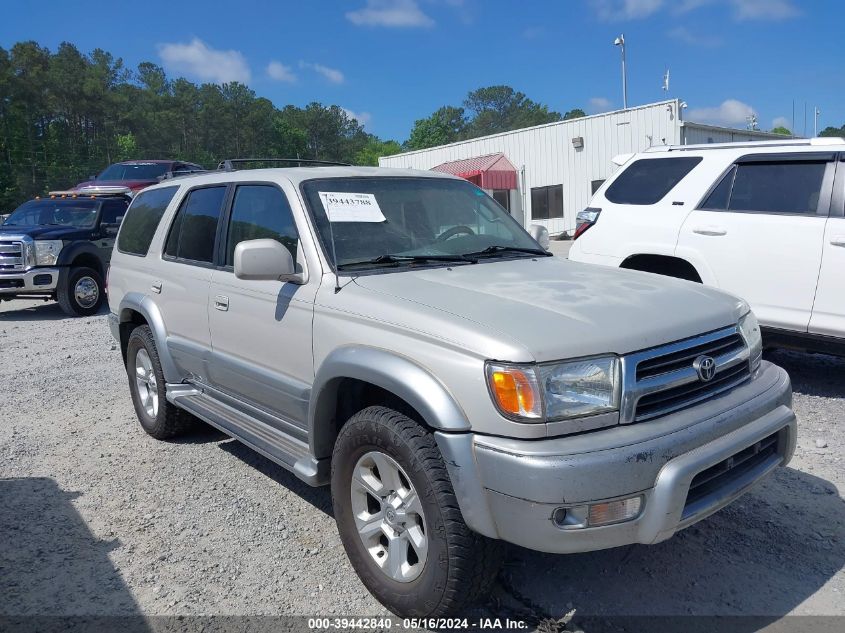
[(351, 207)]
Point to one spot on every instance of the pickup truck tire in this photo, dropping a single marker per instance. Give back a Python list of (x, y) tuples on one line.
[(80, 292), (157, 416), (458, 565)]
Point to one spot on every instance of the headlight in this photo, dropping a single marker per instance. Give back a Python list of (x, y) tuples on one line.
[(556, 391), (750, 330), (47, 252), (582, 387)]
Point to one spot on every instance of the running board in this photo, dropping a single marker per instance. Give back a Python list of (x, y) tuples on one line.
[(277, 446)]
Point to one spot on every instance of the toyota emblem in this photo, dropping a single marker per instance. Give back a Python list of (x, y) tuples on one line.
[(705, 367)]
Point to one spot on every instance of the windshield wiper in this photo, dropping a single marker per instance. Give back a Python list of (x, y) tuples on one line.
[(396, 260), (498, 248)]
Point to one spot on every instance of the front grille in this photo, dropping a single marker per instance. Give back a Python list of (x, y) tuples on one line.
[(660, 403), (11, 255), (683, 358), (662, 380), (728, 471)]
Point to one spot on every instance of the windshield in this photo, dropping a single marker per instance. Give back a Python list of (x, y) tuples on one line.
[(134, 171), (81, 214), (394, 220)]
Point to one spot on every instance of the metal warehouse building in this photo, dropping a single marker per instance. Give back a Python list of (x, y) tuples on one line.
[(546, 174)]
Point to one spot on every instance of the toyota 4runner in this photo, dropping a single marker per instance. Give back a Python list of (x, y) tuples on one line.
[(397, 335)]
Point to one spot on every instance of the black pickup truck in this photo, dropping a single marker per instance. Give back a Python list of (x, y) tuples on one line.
[(59, 246)]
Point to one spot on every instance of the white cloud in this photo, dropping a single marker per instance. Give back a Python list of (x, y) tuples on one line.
[(781, 121), (741, 10), (730, 112), (683, 34), (363, 118), (280, 72), (199, 60), (612, 10), (390, 13), (599, 104), (764, 9), (332, 74)]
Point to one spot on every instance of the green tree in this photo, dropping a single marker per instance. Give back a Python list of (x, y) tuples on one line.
[(501, 109), (782, 130), (373, 149), (833, 131), (575, 113), (447, 125)]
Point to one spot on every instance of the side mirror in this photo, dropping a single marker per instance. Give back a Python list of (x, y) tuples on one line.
[(541, 234), (264, 260)]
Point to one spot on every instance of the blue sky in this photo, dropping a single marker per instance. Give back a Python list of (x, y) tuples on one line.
[(393, 61)]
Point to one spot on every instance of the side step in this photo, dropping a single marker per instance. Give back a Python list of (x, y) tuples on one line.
[(277, 446)]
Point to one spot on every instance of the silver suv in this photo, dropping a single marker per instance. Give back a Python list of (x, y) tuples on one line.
[(397, 335)]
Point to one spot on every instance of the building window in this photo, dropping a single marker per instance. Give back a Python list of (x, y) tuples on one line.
[(547, 202), (503, 197), (595, 184)]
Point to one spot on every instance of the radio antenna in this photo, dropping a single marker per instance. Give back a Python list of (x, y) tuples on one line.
[(334, 248)]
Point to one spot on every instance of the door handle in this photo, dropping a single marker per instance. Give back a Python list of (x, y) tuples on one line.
[(714, 231), (156, 287), (221, 303), (838, 240)]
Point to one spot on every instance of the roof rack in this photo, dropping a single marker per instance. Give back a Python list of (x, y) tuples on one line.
[(184, 173), (230, 163), (799, 142)]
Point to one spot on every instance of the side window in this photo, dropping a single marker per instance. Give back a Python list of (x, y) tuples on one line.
[(113, 210), (648, 180), (718, 198), (547, 202), (141, 220), (777, 187), (194, 229), (258, 212)]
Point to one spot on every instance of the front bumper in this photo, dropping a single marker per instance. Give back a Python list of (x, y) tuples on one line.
[(36, 281), (510, 489)]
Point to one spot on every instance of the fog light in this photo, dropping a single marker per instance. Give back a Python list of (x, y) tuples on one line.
[(559, 517), (614, 511)]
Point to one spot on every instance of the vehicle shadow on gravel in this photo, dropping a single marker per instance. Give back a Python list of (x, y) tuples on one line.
[(812, 374), (54, 574), (320, 498), (762, 556), (47, 311)]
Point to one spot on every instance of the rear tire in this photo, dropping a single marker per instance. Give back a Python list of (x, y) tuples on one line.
[(158, 417), (81, 292), (393, 497)]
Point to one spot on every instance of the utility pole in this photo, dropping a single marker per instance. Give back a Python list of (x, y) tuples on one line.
[(816, 113), (620, 41)]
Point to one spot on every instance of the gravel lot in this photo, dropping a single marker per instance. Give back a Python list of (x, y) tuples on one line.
[(98, 518)]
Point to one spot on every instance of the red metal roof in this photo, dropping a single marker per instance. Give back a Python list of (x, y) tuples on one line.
[(493, 171)]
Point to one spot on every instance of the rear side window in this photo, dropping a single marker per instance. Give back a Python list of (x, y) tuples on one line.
[(778, 187), (259, 212), (141, 220), (194, 229), (648, 180)]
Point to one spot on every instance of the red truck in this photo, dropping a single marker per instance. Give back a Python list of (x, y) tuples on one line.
[(137, 174)]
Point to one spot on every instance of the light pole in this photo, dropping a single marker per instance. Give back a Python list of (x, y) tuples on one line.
[(816, 113), (620, 41)]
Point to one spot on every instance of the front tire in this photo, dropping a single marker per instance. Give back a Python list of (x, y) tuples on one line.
[(81, 293), (399, 519), (157, 416)]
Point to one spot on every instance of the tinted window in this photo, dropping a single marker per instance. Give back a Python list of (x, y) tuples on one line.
[(134, 171), (258, 212), (782, 187), (112, 211), (595, 184), (718, 198), (646, 181), (547, 202), (195, 226), (141, 220), (73, 212)]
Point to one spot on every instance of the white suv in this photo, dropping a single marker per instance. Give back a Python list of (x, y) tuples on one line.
[(765, 221)]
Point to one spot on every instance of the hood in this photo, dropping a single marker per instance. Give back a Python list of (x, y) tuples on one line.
[(558, 309), (134, 185), (47, 232)]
